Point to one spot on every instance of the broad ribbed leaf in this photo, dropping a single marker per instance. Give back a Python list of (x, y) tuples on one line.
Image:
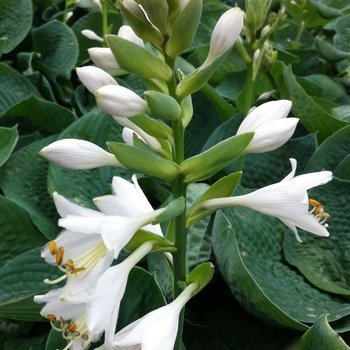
[(8, 140)]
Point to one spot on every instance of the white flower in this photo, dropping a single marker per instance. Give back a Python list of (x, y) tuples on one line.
[(72, 320), (157, 330), (120, 101), (94, 78), (91, 35), (125, 212), (287, 200), (78, 154), (103, 308), (271, 127), (81, 257), (225, 34)]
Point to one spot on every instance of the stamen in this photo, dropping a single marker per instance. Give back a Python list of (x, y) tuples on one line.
[(69, 344), (78, 269), (53, 247), (47, 281), (69, 263), (51, 317), (59, 256), (72, 327), (319, 212)]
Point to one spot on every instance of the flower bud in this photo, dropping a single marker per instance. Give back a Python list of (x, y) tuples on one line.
[(162, 106), (91, 35), (120, 101), (225, 34), (94, 78), (104, 59), (127, 33), (78, 155)]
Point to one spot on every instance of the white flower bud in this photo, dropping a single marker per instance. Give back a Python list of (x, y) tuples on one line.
[(91, 35), (120, 101), (225, 34), (127, 33), (94, 78), (78, 155), (104, 59)]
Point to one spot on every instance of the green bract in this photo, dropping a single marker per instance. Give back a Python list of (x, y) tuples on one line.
[(162, 106), (206, 164), (144, 63)]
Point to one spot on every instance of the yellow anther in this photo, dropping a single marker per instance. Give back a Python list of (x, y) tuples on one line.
[(78, 269), (51, 317), (319, 212), (85, 337), (72, 327), (75, 334), (59, 255), (70, 264), (314, 203), (53, 247)]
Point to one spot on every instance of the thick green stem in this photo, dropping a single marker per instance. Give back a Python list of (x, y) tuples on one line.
[(179, 190)]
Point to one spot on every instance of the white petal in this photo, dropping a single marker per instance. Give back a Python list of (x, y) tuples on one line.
[(104, 59), (127, 33), (65, 207), (91, 35), (265, 113), (291, 175), (312, 179)]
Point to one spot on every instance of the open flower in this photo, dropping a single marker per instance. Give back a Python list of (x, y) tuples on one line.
[(270, 124), (157, 330), (82, 258), (287, 200), (120, 101), (78, 155), (125, 212)]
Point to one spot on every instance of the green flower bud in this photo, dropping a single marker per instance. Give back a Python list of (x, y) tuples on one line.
[(162, 106), (157, 11), (184, 28), (137, 19)]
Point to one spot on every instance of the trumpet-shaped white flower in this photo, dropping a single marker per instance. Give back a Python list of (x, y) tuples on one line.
[(286, 200), (270, 125), (120, 101), (94, 78), (225, 34), (125, 212), (72, 320), (78, 154), (157, 330), (82, 258), (103, 309)]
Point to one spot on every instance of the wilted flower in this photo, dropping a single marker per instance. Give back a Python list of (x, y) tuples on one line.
[(78, 154), (286, 200), (271, 127)]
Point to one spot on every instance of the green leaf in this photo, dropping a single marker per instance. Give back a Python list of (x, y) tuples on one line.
[(202, 275), (15, 22), (22, 278), (83, 185), (18, 234), (329, 52), (314, 118), (8, 141), (325, 262), (142, 295), (322, 336), (14, 87), (222, 188), (36, 114), (58, 48), (55, 341), (144, 63), (23, 179), (341, 40), (248, 250), (209, 162), (145, 162), (337, 149), (37, 343)]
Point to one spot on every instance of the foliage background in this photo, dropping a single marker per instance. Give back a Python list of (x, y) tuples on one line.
[(268, 289)]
